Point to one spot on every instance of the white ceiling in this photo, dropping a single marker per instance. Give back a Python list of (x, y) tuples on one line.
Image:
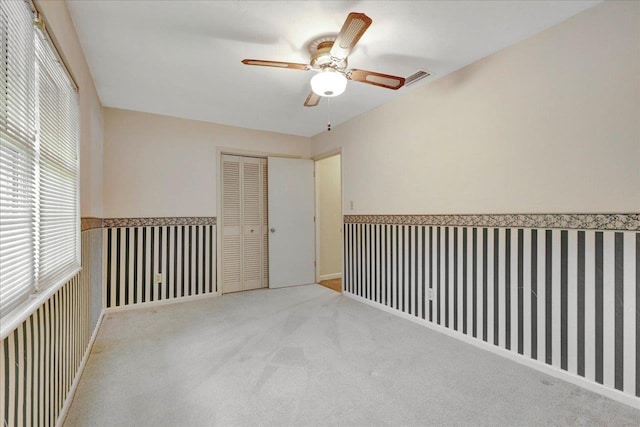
[(182, 58)]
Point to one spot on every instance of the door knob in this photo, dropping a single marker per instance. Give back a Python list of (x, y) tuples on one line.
[(273, 230), (252, 230)]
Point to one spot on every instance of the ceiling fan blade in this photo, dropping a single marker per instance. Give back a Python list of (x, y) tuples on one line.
[(277, 64), (312, 100), (353, 28), (377, 79)]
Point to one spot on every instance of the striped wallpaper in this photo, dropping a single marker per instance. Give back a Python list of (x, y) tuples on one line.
[(40, 359), (184, 256), (563, 297)]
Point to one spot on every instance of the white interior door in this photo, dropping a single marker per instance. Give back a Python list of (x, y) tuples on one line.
[(291, 222)]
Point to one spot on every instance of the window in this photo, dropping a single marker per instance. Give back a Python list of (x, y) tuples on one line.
[(39, 163)]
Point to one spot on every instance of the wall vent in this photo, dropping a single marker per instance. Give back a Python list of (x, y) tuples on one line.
[(418, 75)]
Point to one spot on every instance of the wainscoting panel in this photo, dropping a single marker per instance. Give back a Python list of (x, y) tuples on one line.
[(563, 297), (184, 256), (40, 359)]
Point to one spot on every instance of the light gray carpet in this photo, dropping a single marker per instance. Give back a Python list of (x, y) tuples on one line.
[(310, 356)]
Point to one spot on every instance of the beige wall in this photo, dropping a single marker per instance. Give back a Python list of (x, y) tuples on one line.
[(62, 30), (547, 125), (163, 166), (330, 215)]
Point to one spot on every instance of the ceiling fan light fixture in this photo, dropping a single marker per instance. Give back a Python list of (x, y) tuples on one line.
[(328, 83)]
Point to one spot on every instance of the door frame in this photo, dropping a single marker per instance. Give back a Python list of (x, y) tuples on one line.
[(315, 158), (233, 151)]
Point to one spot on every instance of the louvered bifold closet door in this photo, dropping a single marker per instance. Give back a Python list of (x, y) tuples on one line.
[(265, 224), (231, 224), (244, 223), (252, 223)]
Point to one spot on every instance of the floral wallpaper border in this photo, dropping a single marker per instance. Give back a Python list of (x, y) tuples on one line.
[(627, 222), (158, 221)]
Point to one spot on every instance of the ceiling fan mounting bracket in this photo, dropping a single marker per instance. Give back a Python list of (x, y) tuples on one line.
[(314, 46)]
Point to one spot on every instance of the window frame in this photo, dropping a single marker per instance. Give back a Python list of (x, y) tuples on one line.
[(39, 290)]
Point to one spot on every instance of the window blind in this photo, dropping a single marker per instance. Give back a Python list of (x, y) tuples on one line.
[(57, 169), (39, 168), (17, 146)]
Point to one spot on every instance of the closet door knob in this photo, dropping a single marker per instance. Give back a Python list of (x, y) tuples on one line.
[(273, 230)]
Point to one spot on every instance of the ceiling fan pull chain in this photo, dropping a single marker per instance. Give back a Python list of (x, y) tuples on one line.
[(328, 114)]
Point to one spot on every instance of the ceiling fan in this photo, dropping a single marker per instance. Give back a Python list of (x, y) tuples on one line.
[(329, 60)]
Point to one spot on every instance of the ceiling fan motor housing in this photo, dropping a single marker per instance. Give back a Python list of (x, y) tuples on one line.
[(321, 58)]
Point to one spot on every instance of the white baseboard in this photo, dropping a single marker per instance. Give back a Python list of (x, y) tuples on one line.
[(614, 394), (331, 276), (76, 380), (160, 302)]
